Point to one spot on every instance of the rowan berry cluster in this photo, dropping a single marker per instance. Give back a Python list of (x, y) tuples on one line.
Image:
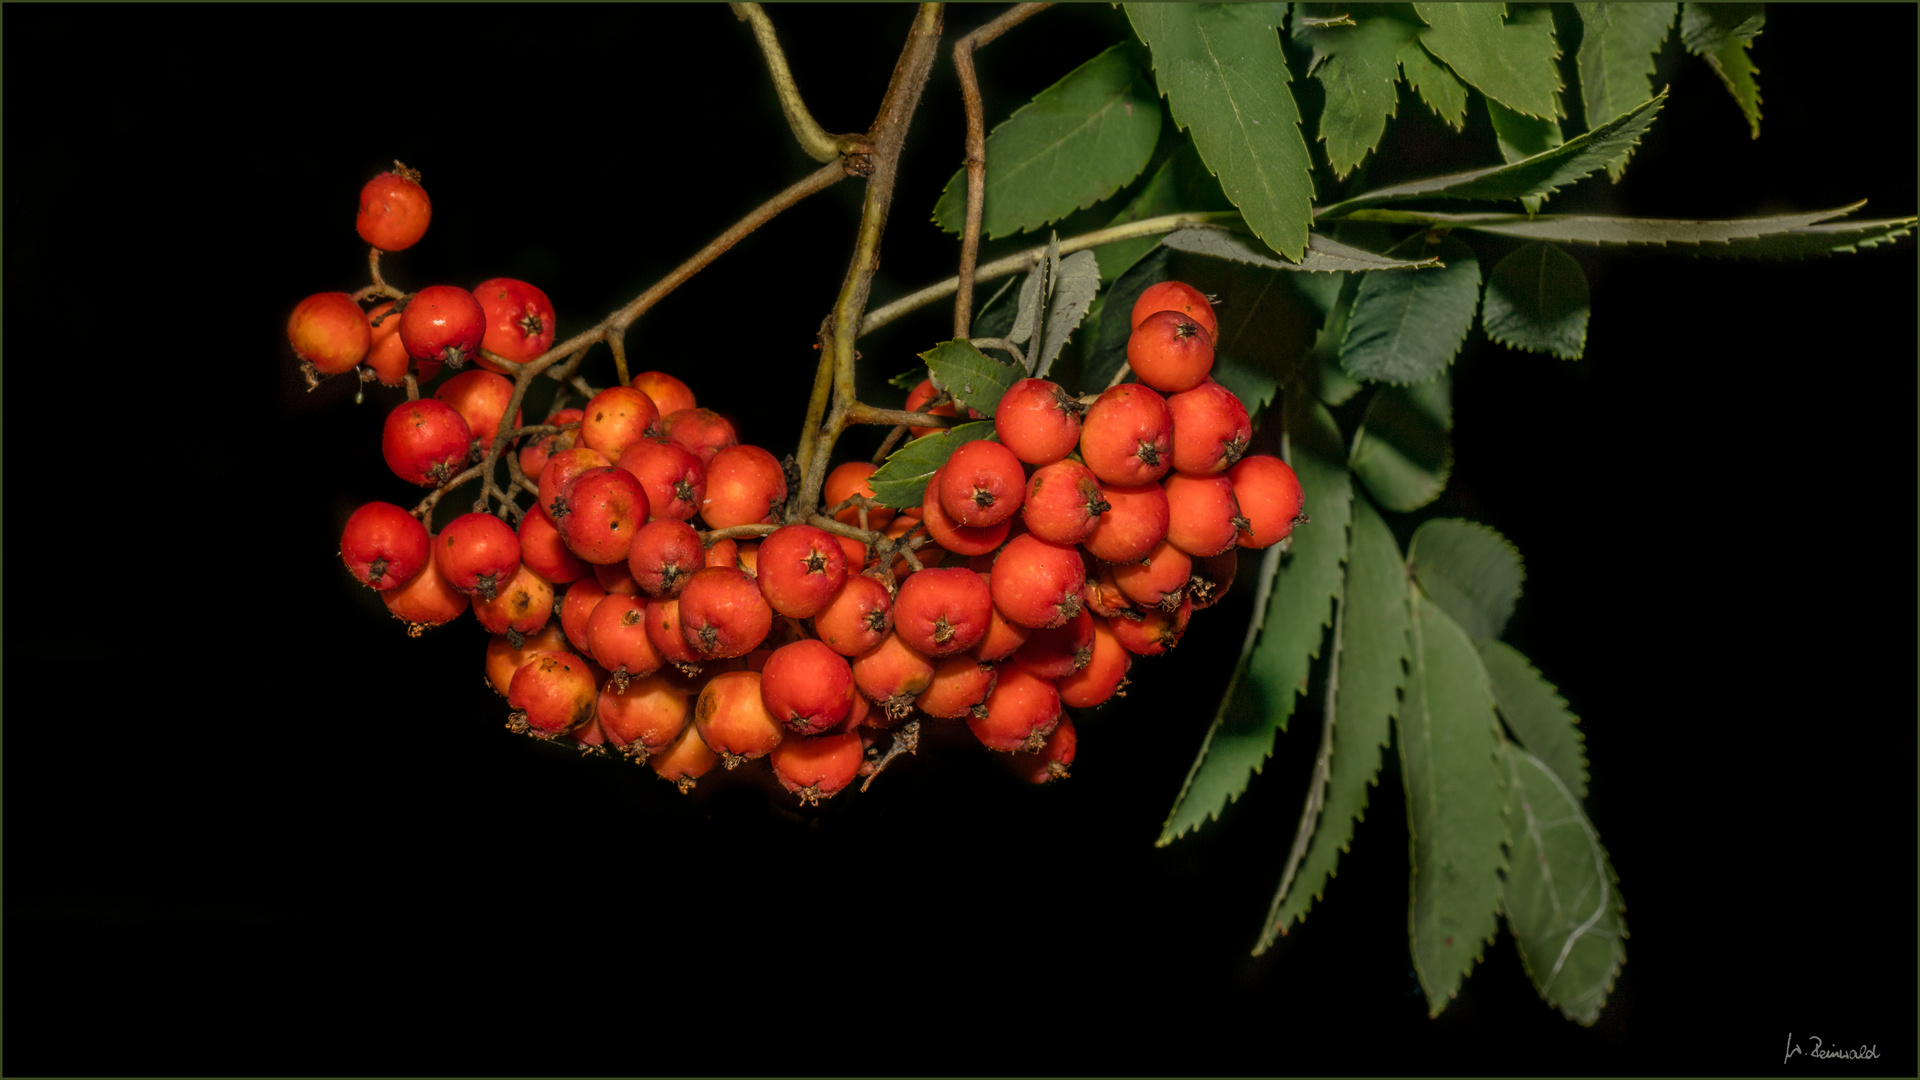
[(661, 597)]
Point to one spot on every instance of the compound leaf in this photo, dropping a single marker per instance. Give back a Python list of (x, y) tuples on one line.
[(902, 481), (1370, 649), (1521, 137), (1402, 451), (1181, 183), (1510, 62), (1078, 278), (1536, 714), (1561, 895), (1406, 328), (1357, 64), (1537, 300), (1225, 78), (1456, 802), (1722, 34), (1292, 611), (1618, 44), (1541, 174), (1470, 570), (1833, 238), (1107, 353), (1076, 143), (1772, 235), (1323, 255), (1445, 94), (975, 379)]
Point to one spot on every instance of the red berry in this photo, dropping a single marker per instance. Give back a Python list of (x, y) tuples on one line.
[(1050, 762), (646, 717), (564, 468), (577, 607), (605, 507), (1212, 577), (1136, 519), (522, 604), (1210, 429), (675, 480), (616, 418), (1037, 583), (503, 659), (1170, 352), (545, 550), (685, 759), (807, 687), (1176, 296), (425, 599), (1059, 651), (1038, 421), (1019, 713), (669, 394), (665, 553), (848, 480), (1063, 502), (383, 545), (443, 323), (1159, 579), (800, 568), (425, 442), (1156, 631), (553, 693), (534, 456), (1127, 437), (950, 534), (663, 627), (959, 683), (480, 397), (856, 617), (943, 610), (617, 631), (394, 210), (892, 674), (387, 356), (477, 553), (329, 331), (733, 720), (745, 486), (1003, 637), (1104, 673), (617, 578), (819, 766), (1270, 499), (1203, 517), (917, 398), (702, 431), (981, 484), (519, 321), (722, 613)]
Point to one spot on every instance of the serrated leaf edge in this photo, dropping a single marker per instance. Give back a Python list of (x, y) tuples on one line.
[(1553, 691), (1413, 545)]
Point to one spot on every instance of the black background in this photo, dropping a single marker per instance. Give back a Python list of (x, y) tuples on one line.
[(251, 827)]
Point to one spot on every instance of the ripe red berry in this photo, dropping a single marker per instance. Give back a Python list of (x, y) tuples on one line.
[(1127, 437), (1210, 429), (605, 507), (480, 397), (685, 760), (959, 683), (819, 766), (1180, 297), (1212, 577), (702, 431), (745, 486), (807, 687), (1136, 519), (1038, 421), (1170, 352), (576, 608), (545, 550), (1270, 499), (1019, 713), (534, 456), (1059, 651), (1003, 637), (617, 632), (617, 579), (1203, 517), (329, 331), (394, 210), (1063, 502), (663, 627), (503, 659), (646, 717), (950, 534), (733, 720), (1037, 583), (669, 394), (383, 545), (477, 553), (848, 480), (722, 613), (800, 568), (1159, 579), (522, 604), (552, 694), (425, 442), (1104, 673), (386, 355), (519, 321), (1102, 594), (616, 418), (665, 553), (675, 480), (856, 617), (1156, 631), (943, 610), (981, 484), (443, 323), (425, 599), (564, 468), (892, 674), (1050, 762), (917, 399)]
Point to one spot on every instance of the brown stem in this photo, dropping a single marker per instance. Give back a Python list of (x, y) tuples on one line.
[(858, 413), (977, 153), (424, 508), (734, 532), (905, 740)]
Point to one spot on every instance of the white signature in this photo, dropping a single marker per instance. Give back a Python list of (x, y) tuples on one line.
[(1864, 1053)]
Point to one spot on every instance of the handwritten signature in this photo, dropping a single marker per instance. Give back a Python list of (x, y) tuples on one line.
[(1863, 1053)]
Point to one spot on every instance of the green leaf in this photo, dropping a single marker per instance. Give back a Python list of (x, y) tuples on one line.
[(975, 379), (1108, 351), (1456, 794), (1470, 570), (902, 481), (1521, 137), (1542, 174), (1323, 255), (1333, 385), (1181, 183), (1076, 143), (1357, 64), (1537, 300), (995, 317), (1618, 44), (1292, 612), (1778, 234), (1225, 78), (1254, 386), (1512, 63), (1536, 714), (1402, 451), (1406, 328), (1835, 238), (1370, 647), (1445, 94), (1033, 293), (908, 379), (1722, 34), (1561, 895), (1073, 289)]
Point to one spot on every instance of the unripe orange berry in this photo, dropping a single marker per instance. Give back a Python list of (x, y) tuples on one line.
[(329, 331), (616, 418), (524, 604), (732, 719), (685, 759), (745, 486), (669, 394)]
